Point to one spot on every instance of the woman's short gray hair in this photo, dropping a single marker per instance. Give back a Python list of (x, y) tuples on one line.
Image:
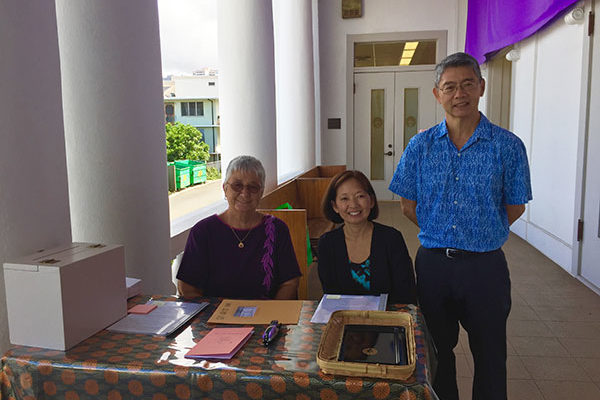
[(246, 164), (456, 60)]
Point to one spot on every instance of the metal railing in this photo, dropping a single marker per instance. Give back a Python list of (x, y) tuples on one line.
[(214, 161), (214, 164)]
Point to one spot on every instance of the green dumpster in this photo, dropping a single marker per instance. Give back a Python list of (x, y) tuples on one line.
[(182, 175), (197, 170)]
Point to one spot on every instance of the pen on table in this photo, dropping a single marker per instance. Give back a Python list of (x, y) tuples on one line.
[(271, 332)]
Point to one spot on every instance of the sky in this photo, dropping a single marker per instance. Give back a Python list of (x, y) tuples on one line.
[(188, 35)]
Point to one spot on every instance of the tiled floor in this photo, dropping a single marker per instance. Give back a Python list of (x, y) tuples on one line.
[(553, 328)]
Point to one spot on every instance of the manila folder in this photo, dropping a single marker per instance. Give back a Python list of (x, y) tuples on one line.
[(257, 312)]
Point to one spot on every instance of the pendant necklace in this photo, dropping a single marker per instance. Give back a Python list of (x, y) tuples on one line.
[(241, 241)]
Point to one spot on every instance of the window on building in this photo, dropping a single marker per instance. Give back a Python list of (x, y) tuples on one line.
[(211, 83), (192, 108)]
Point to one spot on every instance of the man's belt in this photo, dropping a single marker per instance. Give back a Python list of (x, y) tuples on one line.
[(458, 253)]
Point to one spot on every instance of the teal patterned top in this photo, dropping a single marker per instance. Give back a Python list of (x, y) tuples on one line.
[(361, 273)]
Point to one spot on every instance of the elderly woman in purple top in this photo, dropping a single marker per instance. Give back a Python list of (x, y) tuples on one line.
[(240, 253)]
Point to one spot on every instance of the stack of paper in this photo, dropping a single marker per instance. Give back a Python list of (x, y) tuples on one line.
[(164, 320), (221, 343), (334, 302)]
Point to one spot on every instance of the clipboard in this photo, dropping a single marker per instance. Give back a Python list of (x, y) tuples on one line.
[(257, 312)]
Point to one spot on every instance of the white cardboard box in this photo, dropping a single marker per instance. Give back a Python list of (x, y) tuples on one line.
[(59, 297)]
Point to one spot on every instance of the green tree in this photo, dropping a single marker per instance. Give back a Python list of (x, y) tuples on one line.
[(184, 142)]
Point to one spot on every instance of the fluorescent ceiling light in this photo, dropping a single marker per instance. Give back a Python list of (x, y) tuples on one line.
[(408, 52), (411, 45)]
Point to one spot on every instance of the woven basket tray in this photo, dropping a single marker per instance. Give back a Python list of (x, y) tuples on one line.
[(331, 341)]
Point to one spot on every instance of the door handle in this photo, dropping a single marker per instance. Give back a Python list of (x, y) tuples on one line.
[(389, 153)]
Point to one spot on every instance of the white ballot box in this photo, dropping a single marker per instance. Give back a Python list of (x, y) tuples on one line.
[(59, 297)]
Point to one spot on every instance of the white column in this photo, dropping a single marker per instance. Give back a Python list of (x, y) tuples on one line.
[(295, 94), (247, 83), (114, 131), (34, 201)]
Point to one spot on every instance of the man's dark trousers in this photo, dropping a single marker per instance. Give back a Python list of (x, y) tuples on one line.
[(473, 289)]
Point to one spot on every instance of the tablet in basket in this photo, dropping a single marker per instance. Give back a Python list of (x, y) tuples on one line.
[(375, 344)]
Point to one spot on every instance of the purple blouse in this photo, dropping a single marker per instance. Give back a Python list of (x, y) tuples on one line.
[(213, 262)]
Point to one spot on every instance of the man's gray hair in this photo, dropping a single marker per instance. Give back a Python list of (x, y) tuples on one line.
[(456, 60), (246, 164)]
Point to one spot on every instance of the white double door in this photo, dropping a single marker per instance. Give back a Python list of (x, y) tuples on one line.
[(590, 244), (389, 108)]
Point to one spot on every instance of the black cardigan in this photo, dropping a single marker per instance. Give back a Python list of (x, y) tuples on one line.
[(391, 266)]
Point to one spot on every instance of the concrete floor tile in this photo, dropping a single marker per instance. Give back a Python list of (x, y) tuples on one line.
[(536, 298), (470, 363), (574, 329), (517, 299), (527, 328), (591, 367), (515, 369), (465, 388), (523, 313), (463, 370), (568, 300), (536, 286), (538, 346), (554, 390), (555, 369), (463, 341), (580, 347), (519, 389), (566, 314), (459, 348), (510, 350)]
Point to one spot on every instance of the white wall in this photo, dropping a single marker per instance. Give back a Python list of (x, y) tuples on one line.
[(34, 203), (196, 87), (545, 110), (379, 16)]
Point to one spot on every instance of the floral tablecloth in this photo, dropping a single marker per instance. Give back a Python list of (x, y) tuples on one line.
[(115, 366)]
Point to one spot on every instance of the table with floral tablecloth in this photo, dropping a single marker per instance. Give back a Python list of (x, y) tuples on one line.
[(114, 366)]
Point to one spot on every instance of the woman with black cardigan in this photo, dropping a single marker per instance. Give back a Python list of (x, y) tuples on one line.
[(361, 256)]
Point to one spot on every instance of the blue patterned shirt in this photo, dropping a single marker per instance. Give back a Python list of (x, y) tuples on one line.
[(461, 194)]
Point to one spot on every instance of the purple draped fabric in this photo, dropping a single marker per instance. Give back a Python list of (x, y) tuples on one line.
[(494, 24)]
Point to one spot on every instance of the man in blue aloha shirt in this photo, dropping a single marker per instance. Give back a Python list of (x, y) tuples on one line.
[(463, 182)]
